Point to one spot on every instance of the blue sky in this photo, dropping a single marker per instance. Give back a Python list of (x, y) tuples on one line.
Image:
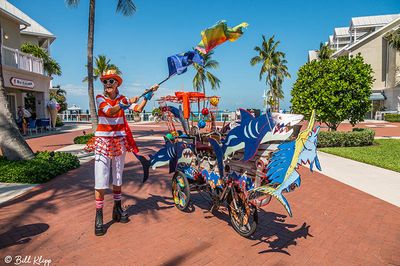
[(140, 44)]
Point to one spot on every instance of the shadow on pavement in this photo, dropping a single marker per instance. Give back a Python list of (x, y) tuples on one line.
[(149, 205), (274, 232), (271, 229), (21, 234), (178, 260)]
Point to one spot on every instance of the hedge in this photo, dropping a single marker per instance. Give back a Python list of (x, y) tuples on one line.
[(43, 167), (392, 117), (83, 139), (357, 137)]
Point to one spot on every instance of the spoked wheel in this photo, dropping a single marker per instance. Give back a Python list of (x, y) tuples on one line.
[(244, 216), (180, 191)]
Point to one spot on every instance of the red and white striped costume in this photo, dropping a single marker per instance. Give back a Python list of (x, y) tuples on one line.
[(112, 136)]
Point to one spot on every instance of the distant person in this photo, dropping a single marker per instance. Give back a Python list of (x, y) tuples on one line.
[(112, 140), (23, 116)]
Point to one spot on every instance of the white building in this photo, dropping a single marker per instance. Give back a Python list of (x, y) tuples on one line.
[(367, 36), (24, 73)]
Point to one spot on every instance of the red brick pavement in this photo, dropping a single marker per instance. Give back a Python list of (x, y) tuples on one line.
[(332, 224), (54, 142), (57, 141)]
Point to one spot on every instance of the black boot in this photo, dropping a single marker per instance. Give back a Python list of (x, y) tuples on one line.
[(98, 224), (119, 214)]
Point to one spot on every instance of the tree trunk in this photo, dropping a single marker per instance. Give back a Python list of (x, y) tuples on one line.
[(92, 105), (204, 91), (332, 126), (12, 144)]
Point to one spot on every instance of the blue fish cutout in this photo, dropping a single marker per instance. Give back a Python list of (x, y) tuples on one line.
[(248, 134), (284, 163), (170, 154)]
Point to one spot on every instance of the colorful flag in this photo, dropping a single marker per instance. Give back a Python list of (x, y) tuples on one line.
[(219, 33), (177, 64)]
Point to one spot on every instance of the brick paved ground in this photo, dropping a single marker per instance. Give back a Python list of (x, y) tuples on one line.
[(332, 224)]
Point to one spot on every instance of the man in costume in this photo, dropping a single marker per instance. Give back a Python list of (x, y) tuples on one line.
[(113, 138)]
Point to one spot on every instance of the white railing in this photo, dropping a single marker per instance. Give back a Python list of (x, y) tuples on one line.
[(65, 117), (18, 59)]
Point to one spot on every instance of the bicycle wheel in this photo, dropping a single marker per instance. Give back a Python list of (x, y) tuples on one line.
[(244, 216), (180, 191)]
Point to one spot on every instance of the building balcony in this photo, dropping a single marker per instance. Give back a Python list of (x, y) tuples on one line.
[(20, 60)]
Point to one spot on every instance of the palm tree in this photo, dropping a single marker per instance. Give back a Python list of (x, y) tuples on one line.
[(394, 39), (126, 8), (12, 144), (279, 72), (49, 64), (203, 75), (60, 96), (273, 67), (324, 51), (102, 64)]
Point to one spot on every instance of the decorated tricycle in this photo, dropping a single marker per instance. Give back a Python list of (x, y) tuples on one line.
[(242, 168)]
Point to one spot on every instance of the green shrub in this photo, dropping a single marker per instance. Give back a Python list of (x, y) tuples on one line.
[(83, 139), (43, 167), (156, 112), (392, 117), (358, 137), (59, 122)]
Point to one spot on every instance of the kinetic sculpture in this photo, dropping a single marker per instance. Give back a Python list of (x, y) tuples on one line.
[(243, 167)]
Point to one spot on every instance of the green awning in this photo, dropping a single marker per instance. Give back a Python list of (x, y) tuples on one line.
[(377, 96)]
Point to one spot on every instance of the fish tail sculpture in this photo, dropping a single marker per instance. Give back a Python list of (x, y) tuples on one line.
[(146, 163), (282, 168), (164, 156)]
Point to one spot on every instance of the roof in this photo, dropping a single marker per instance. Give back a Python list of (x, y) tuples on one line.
[(342, 31), (74, 107), (369, 37), (32, 27), (370, 21), (376, 96)]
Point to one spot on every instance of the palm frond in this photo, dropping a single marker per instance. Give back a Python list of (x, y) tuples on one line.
[(202, 75), (211, 64), (214, 81), (255, 60), (394, 39), (126, 7), (114, 67), (72, 3)]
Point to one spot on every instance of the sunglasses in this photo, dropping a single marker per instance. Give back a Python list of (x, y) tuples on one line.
[(109, 81)]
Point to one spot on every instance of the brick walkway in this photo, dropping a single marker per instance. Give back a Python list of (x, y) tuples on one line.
[(332, 224), (381, 129)]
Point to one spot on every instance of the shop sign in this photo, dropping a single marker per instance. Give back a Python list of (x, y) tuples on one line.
[(23, 83)]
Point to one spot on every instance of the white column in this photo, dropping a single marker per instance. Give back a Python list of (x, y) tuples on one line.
[(355, 35)]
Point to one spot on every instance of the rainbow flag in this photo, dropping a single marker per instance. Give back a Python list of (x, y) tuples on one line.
[(218, 34)]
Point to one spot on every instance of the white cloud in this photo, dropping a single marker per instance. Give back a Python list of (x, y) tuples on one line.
[(75, 90), (78, 90)]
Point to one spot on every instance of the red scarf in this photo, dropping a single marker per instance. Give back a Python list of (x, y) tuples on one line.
[(129, 137)]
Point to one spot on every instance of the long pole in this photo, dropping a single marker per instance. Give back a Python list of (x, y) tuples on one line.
[(161, 82)]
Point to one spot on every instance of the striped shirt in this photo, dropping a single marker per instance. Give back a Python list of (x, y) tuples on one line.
[(111, 125)]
